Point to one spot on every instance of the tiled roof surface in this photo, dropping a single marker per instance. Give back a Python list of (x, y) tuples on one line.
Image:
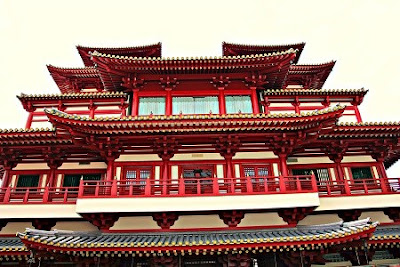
[(74, 95), (242, 238), (296, 92), (230, 49)]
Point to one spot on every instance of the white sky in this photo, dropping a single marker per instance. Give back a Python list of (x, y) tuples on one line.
[(361, 35)]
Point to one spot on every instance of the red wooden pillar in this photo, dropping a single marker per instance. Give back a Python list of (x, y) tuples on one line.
[(357, 112), (229, 165), (296, 106), (283, 164), (110, 168), (339, 169), (221, 100), (165, 175), (6, 176), (168, 101), (254, 100), (266, 105), (52, 176), (29, 121), (135, 102)]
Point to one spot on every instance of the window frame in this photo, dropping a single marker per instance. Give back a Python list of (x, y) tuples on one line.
[(194, 97), (137, 169)]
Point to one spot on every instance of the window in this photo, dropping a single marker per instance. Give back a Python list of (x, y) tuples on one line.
[(139, 174), (148, 105), (322, 175), (73, 180), (236, 104), (28, 181), (195, 105), (256, 171), (361, 173)]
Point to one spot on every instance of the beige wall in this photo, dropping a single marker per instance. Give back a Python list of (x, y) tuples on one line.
[(13, 227), (135, 223), (198, 221), (320, 219), (376, 216), (75, 226), (262, 219), (197, 156)]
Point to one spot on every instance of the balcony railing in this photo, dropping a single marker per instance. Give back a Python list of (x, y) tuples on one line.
[(199, 187), (359, 187), (29, 195)]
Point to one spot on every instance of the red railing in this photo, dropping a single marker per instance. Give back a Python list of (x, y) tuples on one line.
[(199, 186), (359, 187), (28, 195)]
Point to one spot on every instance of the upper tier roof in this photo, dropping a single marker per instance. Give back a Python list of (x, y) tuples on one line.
[(112, 68), (72, 80), (153, 50), (230, 49), (310, 75)]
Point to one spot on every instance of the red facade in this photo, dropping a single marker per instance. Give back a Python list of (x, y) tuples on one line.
[(245, 153)]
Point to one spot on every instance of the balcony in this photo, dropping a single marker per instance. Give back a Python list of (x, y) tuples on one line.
[(45, 195), (198, 187)]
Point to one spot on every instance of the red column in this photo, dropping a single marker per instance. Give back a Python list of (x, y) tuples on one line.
[(6, 177), (135, 102), (296, 106), (165, 175), (339, 170), (29, 121), (266, 105), (110, 169), (283, 164), (357, 112), (229, 165), (221, 100), (168, 101), (91, 110), (254, 100)]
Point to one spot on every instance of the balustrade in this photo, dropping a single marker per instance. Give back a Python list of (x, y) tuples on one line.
[(198, 187)]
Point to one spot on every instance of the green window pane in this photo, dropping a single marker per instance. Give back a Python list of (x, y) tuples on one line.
[(71, 180), (148, 105), (28, 181), (236, 104), (361, 173), (195, 105), (92, 176)]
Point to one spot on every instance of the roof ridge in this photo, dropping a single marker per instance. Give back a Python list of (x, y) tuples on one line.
[(119, 48), (288, 51), (29, 130)]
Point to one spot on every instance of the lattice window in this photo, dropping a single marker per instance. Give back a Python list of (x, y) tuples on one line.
[(256, 171), (333, 257), (321, 174), (28, 181), (139, 174), (361, 173), (73, 180), (382, 255)]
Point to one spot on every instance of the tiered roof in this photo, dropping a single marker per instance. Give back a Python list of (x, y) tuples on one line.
[(73, 80), (289, 239), (312, 76), (153, 50), (105, 67), (230, 49)]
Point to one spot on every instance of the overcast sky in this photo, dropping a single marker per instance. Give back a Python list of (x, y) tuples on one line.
[(362, 36)]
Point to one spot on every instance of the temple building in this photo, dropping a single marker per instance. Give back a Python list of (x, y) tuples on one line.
[(236, 160)]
